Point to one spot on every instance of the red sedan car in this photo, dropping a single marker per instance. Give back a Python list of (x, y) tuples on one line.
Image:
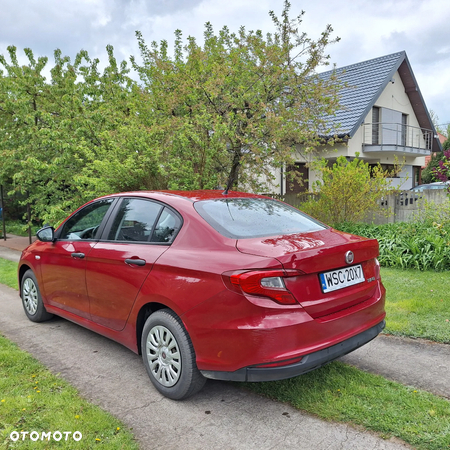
[(205, 284)]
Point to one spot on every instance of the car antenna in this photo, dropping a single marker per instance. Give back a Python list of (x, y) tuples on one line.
[(225, 192)]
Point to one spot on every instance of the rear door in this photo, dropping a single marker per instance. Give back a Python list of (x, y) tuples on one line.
[(138, 234)]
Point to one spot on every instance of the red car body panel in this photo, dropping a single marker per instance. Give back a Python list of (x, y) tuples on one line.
[(229, 329), (114, 286)]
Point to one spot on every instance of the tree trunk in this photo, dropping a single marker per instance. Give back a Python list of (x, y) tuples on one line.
[(234, 172)]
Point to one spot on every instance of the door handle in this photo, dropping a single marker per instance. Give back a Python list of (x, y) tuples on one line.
[(78, 255), (135, 262)]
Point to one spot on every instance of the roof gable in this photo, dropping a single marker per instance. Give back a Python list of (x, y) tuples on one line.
[(364, 82)]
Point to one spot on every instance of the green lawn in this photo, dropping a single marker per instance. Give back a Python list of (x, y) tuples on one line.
[(417, 303), (343, 393), (33, 399), (8, 273)]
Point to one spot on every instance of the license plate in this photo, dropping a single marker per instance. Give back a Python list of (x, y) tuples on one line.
[(341, 278)]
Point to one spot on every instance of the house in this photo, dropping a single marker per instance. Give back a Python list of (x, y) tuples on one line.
[(382, 117)]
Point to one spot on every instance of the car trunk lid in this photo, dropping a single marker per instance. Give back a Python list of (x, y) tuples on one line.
[(320, 252)]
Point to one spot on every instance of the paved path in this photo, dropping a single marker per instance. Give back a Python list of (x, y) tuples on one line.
[(13, 246), (414, 362), (221, 416), (14, 242)]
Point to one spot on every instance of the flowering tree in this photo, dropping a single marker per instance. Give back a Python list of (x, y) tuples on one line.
[(229, 111), (443, 171)]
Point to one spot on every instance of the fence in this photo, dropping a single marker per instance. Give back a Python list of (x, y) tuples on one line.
[(403, 205)]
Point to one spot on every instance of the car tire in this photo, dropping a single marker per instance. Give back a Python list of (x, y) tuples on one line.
[(169, 356), (31, 299)]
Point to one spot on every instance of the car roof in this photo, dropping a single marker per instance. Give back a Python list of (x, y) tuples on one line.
[(192, 196), (436, 185)]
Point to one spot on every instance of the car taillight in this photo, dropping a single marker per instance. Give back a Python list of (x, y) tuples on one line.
[(264, 283), (377, 270)]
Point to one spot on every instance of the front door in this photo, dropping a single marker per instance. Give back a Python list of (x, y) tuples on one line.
[(63, 264)]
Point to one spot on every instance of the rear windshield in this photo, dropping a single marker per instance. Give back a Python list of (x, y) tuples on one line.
[(240, 218)]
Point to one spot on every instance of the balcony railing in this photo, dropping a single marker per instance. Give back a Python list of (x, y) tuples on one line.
[(397, 138)]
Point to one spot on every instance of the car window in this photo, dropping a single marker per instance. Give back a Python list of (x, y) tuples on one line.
[(167, 227), (85, 223), (134, 220), (240, 218)]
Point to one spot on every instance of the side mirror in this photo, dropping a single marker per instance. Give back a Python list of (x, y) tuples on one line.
[(46, 234)]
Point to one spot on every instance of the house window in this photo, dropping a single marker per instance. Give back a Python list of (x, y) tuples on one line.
[(390, 168), (295, 186), (375, 125), (404, 129)]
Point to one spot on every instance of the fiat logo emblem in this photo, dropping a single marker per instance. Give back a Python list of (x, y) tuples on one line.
[(349, 257)]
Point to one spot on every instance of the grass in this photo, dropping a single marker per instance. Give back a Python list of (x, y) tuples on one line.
[(33, 399), (338, 392), (417, 304), (8, 273)]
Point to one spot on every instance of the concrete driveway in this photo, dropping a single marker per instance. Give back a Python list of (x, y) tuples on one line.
[(220, 417)]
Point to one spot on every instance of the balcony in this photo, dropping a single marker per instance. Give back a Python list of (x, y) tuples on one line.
[(396, 138)]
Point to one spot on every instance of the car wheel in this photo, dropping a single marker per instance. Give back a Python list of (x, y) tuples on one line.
[(169, 356), (32, 300)]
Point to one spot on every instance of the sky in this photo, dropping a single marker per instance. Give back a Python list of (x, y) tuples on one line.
[(367, 29)]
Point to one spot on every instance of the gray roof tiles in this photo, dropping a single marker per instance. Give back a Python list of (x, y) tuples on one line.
[(363, 84)]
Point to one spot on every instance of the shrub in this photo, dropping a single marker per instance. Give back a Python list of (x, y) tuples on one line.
[(428, 175), (348, 190), (422, 245), (442, 172)]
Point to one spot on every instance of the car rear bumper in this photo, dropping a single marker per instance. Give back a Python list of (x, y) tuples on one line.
[(308, 362)]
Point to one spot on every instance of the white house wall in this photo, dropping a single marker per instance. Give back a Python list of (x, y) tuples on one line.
[(405, 179), (393, 102)]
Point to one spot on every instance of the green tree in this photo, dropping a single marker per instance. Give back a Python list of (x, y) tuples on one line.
[(230, 111), (348, 190), (435, 120), (446, 144), (73, 137), (224, 113), (428, 174)]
